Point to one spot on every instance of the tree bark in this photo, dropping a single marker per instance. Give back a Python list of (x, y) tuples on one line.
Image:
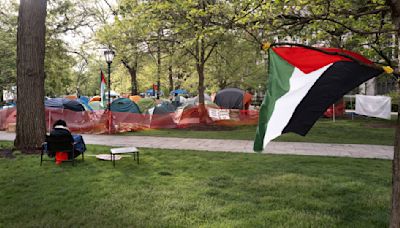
[(395, 210), (200, 69), (203, 114), (133, 73), (200, 72), (31, 126), (204, 118), (158, 64), (170, 78), (134, 83)]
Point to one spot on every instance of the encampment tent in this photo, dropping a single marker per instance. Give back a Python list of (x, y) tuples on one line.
[(96, 105), (146, 104), (232, 98), (64, 103), (179, 92), (195, 100), (124, 105), (163, 108), (150, 92), (162, 116), (85, 103), (113, 94), (84, 99), (95, 98), (135, 98), (71, 97)]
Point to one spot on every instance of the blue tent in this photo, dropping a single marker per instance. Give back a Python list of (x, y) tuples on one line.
[(149, 92), (124, 105), (178, 91), (8, 105), (84, 99), (85, 102), (64, 103)]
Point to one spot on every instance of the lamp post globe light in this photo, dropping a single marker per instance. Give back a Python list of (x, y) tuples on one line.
[(109, 55)]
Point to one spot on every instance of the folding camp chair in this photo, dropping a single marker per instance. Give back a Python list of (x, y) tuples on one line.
[(55, 144)]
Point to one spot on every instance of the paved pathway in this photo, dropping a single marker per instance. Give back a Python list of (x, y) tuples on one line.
[(244, 146)]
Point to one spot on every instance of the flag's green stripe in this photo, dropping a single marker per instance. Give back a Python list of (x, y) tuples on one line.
[(280, 72)]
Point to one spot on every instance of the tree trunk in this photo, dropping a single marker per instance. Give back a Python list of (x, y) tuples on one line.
[(200, 72), (158, 66), (200, 69), (170, 78), (133, 73), (204, 118), (31, 126), (395, 211), (134, 84)]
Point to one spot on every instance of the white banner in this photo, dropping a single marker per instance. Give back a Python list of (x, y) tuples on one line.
[(218, 114), (375, 106)]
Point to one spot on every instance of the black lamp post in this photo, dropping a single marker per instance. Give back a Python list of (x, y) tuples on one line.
[(109, 55)]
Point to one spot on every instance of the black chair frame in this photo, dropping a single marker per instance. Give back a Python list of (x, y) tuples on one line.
[(55, 144)]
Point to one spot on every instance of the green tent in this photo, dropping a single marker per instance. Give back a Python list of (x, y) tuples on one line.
[(145, 104), (95, 105), (124, 105)]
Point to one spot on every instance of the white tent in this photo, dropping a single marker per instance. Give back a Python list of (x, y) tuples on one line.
[(113, 94)]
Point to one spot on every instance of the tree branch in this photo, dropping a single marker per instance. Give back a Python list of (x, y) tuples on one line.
[(114, 12), (210, 52)]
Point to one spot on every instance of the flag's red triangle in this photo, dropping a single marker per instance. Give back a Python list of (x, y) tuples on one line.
[(309, 60), (103, 79)]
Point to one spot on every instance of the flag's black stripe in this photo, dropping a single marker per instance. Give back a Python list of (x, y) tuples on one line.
[(333, 84)]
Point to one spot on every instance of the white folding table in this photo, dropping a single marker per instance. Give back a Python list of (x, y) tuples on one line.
[(124, 150)]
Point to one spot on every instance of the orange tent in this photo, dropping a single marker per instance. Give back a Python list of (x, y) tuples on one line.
[(71, 97), (95, 98), (247, 97), (135, 98)]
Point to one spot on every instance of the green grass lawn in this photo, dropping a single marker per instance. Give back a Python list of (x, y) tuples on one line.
[(195, 189), (361, 130)]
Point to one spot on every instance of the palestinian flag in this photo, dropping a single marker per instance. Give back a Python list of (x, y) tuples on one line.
[(302, 84), (102, 89)]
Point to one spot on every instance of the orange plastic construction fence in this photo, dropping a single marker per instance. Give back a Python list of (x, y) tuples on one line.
[(99, 122)]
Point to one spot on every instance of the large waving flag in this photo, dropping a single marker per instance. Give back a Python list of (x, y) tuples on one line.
[(102, 89), (302, 84)]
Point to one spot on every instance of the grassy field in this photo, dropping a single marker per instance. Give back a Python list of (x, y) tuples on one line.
[(361, 130), (195, 189)]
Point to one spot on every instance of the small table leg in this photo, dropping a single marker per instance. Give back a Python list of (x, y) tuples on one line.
[(111, 158)]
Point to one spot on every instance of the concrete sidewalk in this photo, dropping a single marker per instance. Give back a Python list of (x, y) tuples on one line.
[(240, 146)]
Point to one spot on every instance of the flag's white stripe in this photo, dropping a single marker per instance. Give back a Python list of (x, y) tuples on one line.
[(300, 83)]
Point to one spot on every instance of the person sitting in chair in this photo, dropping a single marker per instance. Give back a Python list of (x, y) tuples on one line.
[(60, 129)]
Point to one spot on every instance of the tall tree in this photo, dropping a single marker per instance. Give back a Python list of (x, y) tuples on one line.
[(395, 212), (31, 127)]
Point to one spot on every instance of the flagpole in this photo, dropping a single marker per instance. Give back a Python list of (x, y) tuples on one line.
[(109, 97)]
